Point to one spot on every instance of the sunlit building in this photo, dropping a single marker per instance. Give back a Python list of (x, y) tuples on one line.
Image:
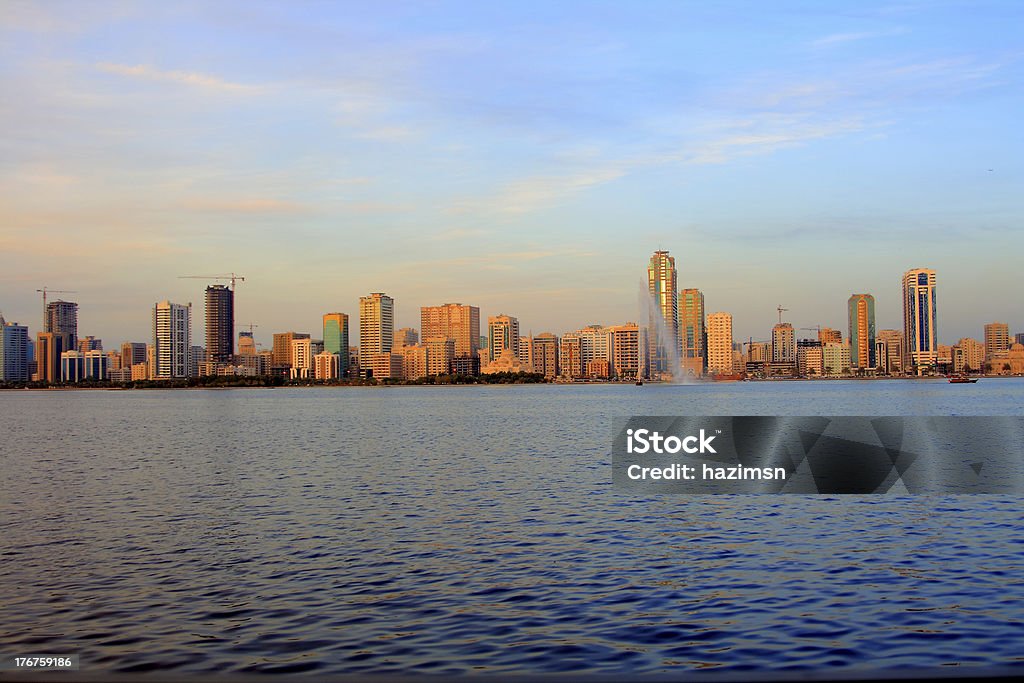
[(172, 340), (503, 333), (336, 339), (692, 335), (455, 321), (997, 340), (663, 322), (861, 309), (376, 326), (545, 354), (920, 313), (719, 340)]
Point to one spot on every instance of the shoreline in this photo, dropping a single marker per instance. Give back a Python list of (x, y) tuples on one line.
[(495, 384)]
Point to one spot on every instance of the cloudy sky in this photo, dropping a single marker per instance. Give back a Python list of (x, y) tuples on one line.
[(524, 157)]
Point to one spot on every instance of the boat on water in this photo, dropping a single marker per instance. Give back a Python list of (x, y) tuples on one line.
[(961, 379)]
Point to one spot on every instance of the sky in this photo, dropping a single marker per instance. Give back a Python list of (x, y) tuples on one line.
[(525, 157)]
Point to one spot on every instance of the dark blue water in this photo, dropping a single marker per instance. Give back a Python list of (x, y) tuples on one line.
[(473, 530)]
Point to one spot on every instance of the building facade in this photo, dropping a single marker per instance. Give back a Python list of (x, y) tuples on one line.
[(14, 345), (458, 322), (719, 344), (376, 325), (692, 333), (336, 339), (503, 334), (920, 315), (172, 340), (861, 313), (220, 324), (663, 324)]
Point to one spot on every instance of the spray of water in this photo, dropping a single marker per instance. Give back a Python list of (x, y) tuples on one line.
[(650, 311)]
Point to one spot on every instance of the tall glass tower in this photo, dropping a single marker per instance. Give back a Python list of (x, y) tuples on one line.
[(862, 330), (664, 332), (920, 339), (220, 324)]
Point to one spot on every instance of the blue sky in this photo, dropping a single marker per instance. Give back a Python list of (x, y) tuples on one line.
[(522, 157)]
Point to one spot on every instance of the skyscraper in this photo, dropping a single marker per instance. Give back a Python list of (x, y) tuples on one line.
[(336, 338), (455, 321), (545, 354), (692, 334), (861, 309), (13, 352), (783, 344), (172, 340), (61, 321), (376, 325), (503, 333), (920, 339), (719, 347), (664, 332), (997, 339), (220, 324)]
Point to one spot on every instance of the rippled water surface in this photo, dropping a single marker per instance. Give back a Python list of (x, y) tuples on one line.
[(474, 529)]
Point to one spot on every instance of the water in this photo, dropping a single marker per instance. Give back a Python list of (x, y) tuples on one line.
[(457, 530)]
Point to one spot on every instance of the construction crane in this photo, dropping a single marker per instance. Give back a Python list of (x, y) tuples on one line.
[(780, 309), (249, 325), (230, 276), (46, 290)]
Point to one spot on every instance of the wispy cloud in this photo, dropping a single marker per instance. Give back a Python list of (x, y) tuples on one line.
[(835, 39), (245, 205), (188, 78)]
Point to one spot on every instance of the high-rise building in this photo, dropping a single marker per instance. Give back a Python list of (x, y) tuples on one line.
[(719, 331), (246, 344), (326, 365), (376, 325), (809, 358), (920, 313), (48, 357), (570, 356), (997, 339), (502, 333), (664, 313), (301, 361), (14, 346), (336, 339), (545, 354), (455, 321), (861, 309), (827, 334), (132, 353), (836, 358), (440, 353), (406, 336), (220, 324), (525, 353), (889, 351), (692, 335), (90, 343), (172, 340), (626, 351), (62, 321), (282, 349), (783, 344)]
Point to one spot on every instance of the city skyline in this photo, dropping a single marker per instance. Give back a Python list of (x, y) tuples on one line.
[(428, 154)]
